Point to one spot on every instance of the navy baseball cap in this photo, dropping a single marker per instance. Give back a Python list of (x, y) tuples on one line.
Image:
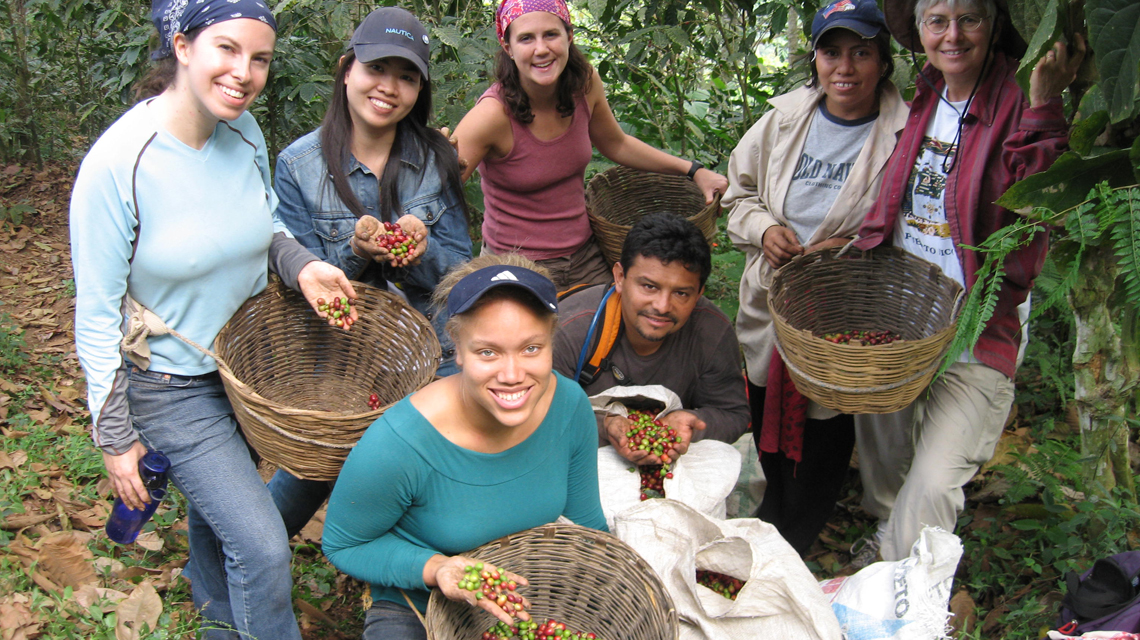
[(861, 16), (392, 32), (472, 287)]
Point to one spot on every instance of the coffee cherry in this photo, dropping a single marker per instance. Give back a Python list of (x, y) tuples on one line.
[(393, 239), (374, 402), (338, 310), (726, 586), (863, 337), (493, 585)]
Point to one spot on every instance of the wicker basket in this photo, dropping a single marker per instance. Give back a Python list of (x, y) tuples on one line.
[(883, 289), (300, 388), (617, 198), (590, 580)]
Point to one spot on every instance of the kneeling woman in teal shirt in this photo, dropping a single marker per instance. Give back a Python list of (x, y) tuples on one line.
[(504, 445)]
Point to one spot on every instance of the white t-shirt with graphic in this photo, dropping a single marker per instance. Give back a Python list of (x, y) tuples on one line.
[(922, 226)]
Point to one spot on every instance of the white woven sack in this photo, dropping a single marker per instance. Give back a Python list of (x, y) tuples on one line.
[(780, 598), (904, 600), (702, 478)]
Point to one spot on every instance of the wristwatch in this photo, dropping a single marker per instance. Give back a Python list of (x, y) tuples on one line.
[(694, 168)]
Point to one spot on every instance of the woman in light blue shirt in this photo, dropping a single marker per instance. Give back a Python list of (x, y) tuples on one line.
[(173, 210)]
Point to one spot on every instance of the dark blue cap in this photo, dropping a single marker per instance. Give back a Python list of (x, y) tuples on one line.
[(472, 287), (861, 16), (392, 32)]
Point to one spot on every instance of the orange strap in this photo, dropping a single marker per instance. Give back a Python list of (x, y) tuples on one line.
[(611, 329)]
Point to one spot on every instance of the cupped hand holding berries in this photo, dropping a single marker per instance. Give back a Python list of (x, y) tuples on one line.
[(373, 239), (684, 423), (614, 429), (448, 572), (321, 282), (415, 229)]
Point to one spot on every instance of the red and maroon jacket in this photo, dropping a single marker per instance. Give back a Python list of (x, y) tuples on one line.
[(1003, 141)]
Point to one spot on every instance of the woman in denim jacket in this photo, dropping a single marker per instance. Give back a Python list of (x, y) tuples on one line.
[(374, 159)]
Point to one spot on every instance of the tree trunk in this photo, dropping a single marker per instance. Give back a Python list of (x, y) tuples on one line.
[(1105, 371), (27, 141)]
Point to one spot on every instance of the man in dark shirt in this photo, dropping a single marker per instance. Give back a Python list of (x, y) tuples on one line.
[(670, 335)]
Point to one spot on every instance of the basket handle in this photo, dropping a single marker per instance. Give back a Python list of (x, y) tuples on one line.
[(846, 247), (143, 323), (834, 387)]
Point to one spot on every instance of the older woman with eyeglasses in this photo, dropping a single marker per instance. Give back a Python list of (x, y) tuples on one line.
[(972, 133)]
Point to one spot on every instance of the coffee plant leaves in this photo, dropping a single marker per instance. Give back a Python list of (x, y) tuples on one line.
[(1048, 32), (1134, 156), (1085, 132), (1114, 33), (1065, 184)]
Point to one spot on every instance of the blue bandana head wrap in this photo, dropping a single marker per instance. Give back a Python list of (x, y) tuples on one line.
[(180, 16)]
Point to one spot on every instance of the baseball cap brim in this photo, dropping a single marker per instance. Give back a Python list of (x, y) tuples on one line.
[(472, 287), (366, 52), (864, 29)]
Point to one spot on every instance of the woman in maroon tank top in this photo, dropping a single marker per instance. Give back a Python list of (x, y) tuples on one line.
[(532, 134)]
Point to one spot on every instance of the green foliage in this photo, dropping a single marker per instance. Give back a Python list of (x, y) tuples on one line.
[(1114, 33), (1107, 216), (1064, 185), (12, 345), (981, 300), (1047, 524), (15, 213), (1049, 31)]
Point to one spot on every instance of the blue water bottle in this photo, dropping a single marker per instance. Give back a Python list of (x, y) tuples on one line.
[(125, 523)]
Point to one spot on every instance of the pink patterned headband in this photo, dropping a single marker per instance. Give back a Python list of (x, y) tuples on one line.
[(509, 10)]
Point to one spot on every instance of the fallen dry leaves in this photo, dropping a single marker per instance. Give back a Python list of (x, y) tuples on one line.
[(138, 612)]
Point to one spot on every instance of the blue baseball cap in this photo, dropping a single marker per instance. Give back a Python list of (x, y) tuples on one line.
[(392, 32), (472, 287), (861, 16)]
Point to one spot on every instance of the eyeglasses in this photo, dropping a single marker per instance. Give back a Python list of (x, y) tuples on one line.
[(967, 22)]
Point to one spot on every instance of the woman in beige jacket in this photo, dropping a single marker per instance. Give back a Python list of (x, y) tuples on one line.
[(802, 179)]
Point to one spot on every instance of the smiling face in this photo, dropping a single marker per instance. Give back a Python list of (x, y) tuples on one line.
[(849, 69), (656, 300), (505, 355), (957, 53), (539, 44), (226, 66), (380, 93)]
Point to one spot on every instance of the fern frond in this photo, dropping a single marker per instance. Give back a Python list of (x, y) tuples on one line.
[(981, 299), (1067, 279), (1126, 240)]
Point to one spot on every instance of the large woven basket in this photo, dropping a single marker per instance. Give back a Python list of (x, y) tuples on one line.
[(619, 197), (883, 289), (590, 580), (300, 388)]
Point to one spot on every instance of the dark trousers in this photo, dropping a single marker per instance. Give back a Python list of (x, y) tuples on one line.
[(800, 497)]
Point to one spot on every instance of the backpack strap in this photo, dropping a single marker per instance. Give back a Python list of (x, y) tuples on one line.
[(600, 340)]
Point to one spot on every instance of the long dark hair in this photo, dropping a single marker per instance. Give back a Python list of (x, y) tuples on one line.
[(161, 75), (574, 81), (336, 145)]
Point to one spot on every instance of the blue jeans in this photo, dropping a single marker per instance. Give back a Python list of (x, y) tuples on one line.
[(390, 621), (239, 554), (297, 499)]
